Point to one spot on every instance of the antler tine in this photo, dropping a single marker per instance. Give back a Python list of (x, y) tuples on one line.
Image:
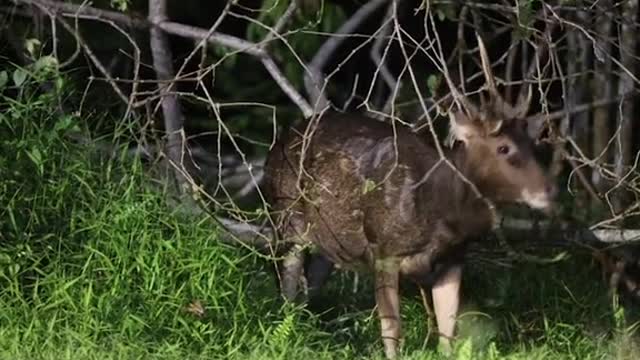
[(467, 105), (496, 98), (524, 100), (523, 103), (486, 69)]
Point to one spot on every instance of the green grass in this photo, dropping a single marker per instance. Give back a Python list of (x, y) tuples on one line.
[(95, 265)]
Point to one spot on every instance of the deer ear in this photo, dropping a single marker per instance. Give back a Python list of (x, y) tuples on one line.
[(534, 127), (462, 127)]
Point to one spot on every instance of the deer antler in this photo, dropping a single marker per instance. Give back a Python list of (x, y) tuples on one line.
[(496, 99), (467, 106)]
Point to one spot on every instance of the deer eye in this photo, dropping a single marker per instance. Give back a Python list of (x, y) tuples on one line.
[(503, 149)]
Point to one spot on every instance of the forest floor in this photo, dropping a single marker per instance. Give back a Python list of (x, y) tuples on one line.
[(95, 265)]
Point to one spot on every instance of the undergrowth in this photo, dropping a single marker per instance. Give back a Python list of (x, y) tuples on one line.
[(94, 264)]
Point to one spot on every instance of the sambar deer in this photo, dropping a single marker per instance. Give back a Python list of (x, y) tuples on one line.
[(370, 194)]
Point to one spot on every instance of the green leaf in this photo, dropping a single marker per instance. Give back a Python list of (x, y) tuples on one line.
[(433, 81), (4, 78), (492, 352), (46, 63), (59, 82), (121, 5), (65, 123), (369, 185), (19, 76), (32, 46), (465, 351), (36, 157)]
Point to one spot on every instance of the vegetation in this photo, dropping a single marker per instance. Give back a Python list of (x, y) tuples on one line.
[(95, 264), (102, 256)]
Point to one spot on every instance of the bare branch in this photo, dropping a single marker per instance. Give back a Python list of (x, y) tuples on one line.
[(241, 45), (171, 109), (379, 59), (315, 82)]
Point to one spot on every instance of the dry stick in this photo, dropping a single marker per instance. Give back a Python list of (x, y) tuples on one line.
[(76, 51), (281, 23), (581, 177), (514, 227), (575, 94), (580, 108), (135, 82), (379, 59), (108, 78), (78, 11), (593, 40), (461, 44), (314, 81), (603, 56), (98, 64), (201, 44), (251, 49)]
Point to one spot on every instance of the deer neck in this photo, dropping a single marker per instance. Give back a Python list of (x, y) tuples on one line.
[(468, 189)]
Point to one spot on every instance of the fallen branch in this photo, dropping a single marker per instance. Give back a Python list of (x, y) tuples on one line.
[(568, 232)]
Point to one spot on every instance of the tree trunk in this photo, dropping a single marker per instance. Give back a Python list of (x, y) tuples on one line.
[(602, 89), (628, 43), (176, 145), (578, 48)]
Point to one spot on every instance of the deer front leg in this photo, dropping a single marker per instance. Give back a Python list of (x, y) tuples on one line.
[(446, 300), (388, 302)]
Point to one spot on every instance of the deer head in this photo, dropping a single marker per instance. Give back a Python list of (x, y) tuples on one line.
[(499, 149)]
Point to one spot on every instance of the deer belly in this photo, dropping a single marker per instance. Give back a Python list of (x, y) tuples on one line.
[(338, 231)]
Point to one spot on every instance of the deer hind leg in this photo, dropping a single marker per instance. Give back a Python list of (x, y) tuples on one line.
[(388, 302), (318, 271), (446, 300), (291, 270), (291, 273)]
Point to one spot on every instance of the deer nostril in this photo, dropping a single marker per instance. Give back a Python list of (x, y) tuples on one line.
[(551, 189)]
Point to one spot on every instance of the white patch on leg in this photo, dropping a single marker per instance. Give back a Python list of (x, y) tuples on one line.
[(446, 300)]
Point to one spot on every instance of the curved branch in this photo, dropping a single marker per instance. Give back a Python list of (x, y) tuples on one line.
[(236, 43), (314, 81)]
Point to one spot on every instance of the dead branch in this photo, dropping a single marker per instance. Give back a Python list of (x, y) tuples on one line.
[(580, 108), (569, 233), (379, 59), (314, 81), (173, 117), (238, 44)]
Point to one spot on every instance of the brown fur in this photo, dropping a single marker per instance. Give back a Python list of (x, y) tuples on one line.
[(370, 195)]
